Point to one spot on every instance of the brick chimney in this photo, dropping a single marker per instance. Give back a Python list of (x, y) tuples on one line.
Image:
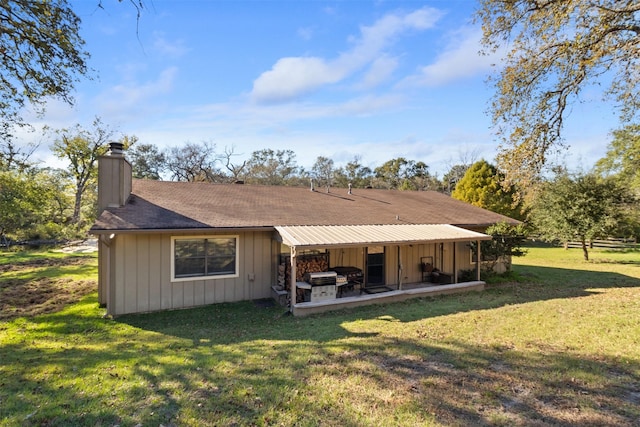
[(114, 178)]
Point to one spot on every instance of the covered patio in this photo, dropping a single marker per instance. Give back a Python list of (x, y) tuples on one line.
[(405, 245)]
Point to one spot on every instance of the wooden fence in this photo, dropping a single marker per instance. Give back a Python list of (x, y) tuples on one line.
[(610, 243)]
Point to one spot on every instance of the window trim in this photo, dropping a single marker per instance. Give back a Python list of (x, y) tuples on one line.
[(212, 277)]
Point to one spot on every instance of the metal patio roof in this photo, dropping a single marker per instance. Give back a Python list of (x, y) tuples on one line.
[(322, 236)]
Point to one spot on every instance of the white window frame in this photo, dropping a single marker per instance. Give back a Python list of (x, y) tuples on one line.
[(213, 277)]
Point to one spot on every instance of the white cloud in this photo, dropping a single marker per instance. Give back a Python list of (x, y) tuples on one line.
[(257, 118), (173, 49), (379, 71), (305, 33), (292, 77), (369, 105), (460, 60), (130, 98)]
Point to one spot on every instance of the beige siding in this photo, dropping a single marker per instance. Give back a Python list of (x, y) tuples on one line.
[(411, 257), (464, 258), (140, 270), (141, 279), (347, 257)]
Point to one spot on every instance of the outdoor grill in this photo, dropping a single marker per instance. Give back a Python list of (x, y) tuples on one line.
[(323, 285), (322, 278)]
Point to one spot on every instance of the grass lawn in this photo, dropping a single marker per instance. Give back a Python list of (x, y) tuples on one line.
[(559, 345)]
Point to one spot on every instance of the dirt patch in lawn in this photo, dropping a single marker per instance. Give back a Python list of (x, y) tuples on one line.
[(42, 263), (32, 297)]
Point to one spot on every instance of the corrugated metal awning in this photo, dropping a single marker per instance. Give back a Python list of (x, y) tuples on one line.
[(322, 236)]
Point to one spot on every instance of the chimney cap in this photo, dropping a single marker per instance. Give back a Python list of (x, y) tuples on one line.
[(116, 148)]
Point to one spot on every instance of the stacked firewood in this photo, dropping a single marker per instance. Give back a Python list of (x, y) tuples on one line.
[(304, 264)]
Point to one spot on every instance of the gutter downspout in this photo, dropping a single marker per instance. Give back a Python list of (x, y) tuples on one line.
[(104, 267), (106, 272)]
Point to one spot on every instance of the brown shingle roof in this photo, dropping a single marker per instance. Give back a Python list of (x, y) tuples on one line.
[(162, 205)]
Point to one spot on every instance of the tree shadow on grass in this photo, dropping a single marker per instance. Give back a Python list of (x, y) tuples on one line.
[(136, 376), (230, 323), (240, 364), (462, 384)]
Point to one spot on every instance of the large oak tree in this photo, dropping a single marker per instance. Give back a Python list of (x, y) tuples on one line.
[(554, 50), (41, 56), (622, 159)]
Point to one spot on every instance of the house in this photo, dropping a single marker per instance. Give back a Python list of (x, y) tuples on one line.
[(170, 245)]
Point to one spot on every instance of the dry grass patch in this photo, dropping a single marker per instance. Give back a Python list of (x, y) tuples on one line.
[(43, 285)]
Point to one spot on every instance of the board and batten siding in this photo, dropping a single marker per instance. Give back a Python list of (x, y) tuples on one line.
[(411, 256), (140, 274)]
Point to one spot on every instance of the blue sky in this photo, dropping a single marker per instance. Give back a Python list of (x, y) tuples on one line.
[(339, 79)]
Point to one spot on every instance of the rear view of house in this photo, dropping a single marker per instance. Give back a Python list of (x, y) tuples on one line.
[(169, 245)]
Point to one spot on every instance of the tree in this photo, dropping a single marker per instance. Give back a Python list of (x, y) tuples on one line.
[(59, 209), (16, 203), (147, 161), (394, 173), (622, 159), (235, 170), (32, 205), (41, 57), (453, 176), (323, 172), (556, 48), (458, 168), (193, 162), (583, 207), (15, 158), (354, 173), (482, 186), (269, 167), (417, 177), (506, 243), (81, 148)]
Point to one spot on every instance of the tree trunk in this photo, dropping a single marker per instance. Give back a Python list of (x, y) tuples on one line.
[(75, 219), (585, 250)]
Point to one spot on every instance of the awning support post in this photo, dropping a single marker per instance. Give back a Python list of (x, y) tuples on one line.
[(455, 262), (294, 274), (479, 260), (400, 269)]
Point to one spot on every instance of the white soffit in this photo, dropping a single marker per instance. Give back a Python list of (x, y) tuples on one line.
[(358, 235)]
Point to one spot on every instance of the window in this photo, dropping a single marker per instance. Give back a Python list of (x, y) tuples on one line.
[(214, 257)]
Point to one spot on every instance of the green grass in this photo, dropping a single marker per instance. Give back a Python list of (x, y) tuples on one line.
[(561, 346)]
